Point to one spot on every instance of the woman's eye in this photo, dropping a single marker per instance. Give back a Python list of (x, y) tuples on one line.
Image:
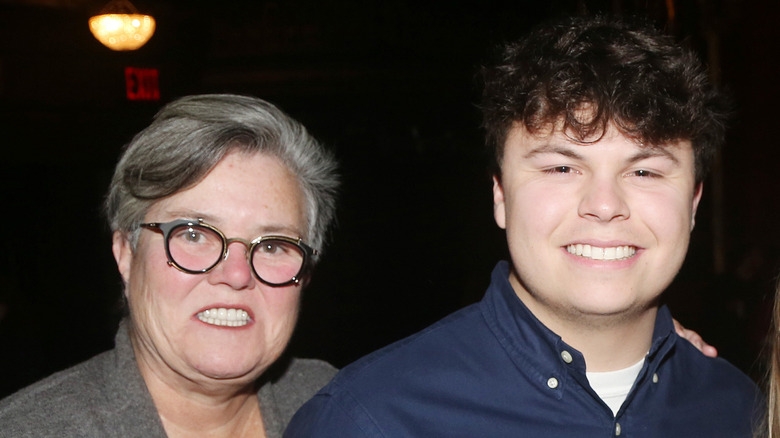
[(191, 235), (269, 248)]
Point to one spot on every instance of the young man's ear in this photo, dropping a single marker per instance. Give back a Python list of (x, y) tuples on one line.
[(696, 198), (499, 203), (123, 254)]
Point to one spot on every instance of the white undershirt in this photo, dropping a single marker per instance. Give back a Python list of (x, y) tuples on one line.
[(613, 386)]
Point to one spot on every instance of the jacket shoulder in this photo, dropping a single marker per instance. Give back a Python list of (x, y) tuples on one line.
[(56, 404)]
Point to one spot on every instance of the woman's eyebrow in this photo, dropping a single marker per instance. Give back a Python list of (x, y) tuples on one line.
[(264, 230), (185, 213), (280, 229)]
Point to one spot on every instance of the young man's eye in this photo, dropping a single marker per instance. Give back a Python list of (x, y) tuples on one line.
[(643, 173), (560, 169)]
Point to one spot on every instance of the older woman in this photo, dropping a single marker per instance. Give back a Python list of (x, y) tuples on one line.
[(217, 211)]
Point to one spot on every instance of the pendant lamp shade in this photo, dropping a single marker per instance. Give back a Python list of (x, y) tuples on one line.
[(120, 26)]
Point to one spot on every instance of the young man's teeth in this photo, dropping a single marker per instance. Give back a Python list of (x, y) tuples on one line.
[(224, 317), (596, 253)]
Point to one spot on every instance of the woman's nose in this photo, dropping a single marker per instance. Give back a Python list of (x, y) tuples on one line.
[(234, 270)]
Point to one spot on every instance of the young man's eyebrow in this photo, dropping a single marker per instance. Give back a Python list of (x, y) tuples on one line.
[(645, 153), (548, 148), (653, 152)]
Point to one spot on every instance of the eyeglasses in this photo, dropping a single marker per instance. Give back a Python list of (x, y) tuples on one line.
[(196, 248)]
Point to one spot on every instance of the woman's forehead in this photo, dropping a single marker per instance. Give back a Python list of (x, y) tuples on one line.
[(253, 191)]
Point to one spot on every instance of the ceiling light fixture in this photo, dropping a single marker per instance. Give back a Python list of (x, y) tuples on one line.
[(119, 26)]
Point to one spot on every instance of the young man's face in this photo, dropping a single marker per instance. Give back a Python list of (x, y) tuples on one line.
[(596, 230)]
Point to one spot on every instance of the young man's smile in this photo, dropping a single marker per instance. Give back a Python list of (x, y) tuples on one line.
[(608, 253)]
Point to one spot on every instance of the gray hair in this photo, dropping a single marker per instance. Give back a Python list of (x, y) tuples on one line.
[(189, 136)]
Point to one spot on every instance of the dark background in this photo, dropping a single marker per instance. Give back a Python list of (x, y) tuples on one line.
[(390, 87)]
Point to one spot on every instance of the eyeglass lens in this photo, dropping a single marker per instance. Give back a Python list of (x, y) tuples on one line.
[(198, 248)]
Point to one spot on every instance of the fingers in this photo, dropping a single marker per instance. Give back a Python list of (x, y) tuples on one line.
[(694, 338)]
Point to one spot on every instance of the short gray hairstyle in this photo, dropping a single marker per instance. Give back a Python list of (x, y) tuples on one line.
[(189, 136)]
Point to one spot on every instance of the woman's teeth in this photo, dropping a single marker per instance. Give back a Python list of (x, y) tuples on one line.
[(224, 317)]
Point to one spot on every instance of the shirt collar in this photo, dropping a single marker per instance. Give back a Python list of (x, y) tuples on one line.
[(530, 342)]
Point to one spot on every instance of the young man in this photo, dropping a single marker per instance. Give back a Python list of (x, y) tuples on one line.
[(602, 133)]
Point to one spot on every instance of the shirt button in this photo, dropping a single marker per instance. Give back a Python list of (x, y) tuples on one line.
[(566, 356), (655, 378), (552, 383), (617, 429)]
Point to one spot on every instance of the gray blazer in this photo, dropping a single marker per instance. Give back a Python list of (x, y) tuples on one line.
[(107, 397)]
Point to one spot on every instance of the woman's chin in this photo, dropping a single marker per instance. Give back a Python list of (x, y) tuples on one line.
[(227, 371)]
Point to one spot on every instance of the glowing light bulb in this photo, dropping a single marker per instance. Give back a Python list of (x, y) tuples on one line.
[(122, 31)]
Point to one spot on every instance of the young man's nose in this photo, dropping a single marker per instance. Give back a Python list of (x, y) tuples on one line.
[(603, 200)]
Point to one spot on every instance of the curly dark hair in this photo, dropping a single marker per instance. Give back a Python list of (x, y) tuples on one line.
[(624, 71)]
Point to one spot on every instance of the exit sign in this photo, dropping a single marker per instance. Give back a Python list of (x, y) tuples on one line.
[(142, 83)]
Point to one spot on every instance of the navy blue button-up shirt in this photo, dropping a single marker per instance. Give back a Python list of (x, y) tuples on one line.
[(493, 370)]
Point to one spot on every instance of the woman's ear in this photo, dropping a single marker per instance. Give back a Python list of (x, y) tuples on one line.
[(123, 254)]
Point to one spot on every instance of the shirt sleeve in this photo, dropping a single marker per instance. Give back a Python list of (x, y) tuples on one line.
[(329, 416)]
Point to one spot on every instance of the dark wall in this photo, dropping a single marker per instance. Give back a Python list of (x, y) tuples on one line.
[(389, 86)]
